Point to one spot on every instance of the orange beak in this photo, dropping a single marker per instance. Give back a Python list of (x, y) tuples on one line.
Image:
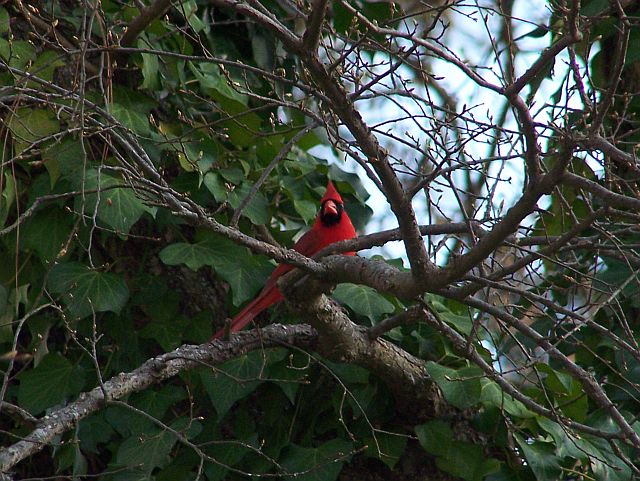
[(330, 208)]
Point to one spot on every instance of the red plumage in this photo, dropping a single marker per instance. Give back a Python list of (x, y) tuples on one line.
[(332, 225)]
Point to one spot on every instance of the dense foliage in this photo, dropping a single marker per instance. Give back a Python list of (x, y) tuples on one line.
[(154, 154)]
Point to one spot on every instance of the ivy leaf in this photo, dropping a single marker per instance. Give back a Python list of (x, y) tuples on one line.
[(130, 116), (232, 453), (245, 273), (52, 224), (289, 378), (233, 380), (257, 210), (45, 65), (566, 443), (94, 430), (492, 395), (150, 68), (363, 300), (540, 458), (144, 453), (316, 464), (194, 256), (216, 186), (4, 299), (306, 208), (119, 208), (85, 291), (461, 459), (461, 387), (18, 53), (7, 196), (387, 447), (28, 125), (53, 380), (167, 332), (4, 20)]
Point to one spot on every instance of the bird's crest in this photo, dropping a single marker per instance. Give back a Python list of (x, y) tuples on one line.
[(331, 194)]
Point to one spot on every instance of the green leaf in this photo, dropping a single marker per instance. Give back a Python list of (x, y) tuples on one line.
[(53, 380), (216, 186), (229, 453), (288, 377), (462, 322), (245, 273), (119, 208), (131, 117), (363, 300), (150, 68), (210, 78), (461, 459), (233, 380), (85, 291), (492, 395), (566, 443), (94, 430), (194, 256), (306, 208), (257, 210), (7, 196), (29, 125), (190, 11), (45, 65), (17, 53), (4, 299), (70, 456), (435, 437), (4, 21), (146, 452), (387, 447), (323, 463), (66, 159), (52, 224), (167, 332), (461, 388), (540, 458)]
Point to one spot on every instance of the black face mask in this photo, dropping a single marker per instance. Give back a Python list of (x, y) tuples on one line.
[(329, 219)]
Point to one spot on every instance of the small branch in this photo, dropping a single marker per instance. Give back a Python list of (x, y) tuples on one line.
[(272, 165), (289, 39), (547, 56), (50, 28), (17, 411), (596, 142), (408, 316)]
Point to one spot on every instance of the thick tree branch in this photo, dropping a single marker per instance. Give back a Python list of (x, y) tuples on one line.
[(147, 15), (152, 372), (343, 341), (608, 197), (311, 36)]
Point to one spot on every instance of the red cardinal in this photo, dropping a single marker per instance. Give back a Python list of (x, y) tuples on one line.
[(332, 225)]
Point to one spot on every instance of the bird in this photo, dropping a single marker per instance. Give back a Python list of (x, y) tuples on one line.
[(332, 224)]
